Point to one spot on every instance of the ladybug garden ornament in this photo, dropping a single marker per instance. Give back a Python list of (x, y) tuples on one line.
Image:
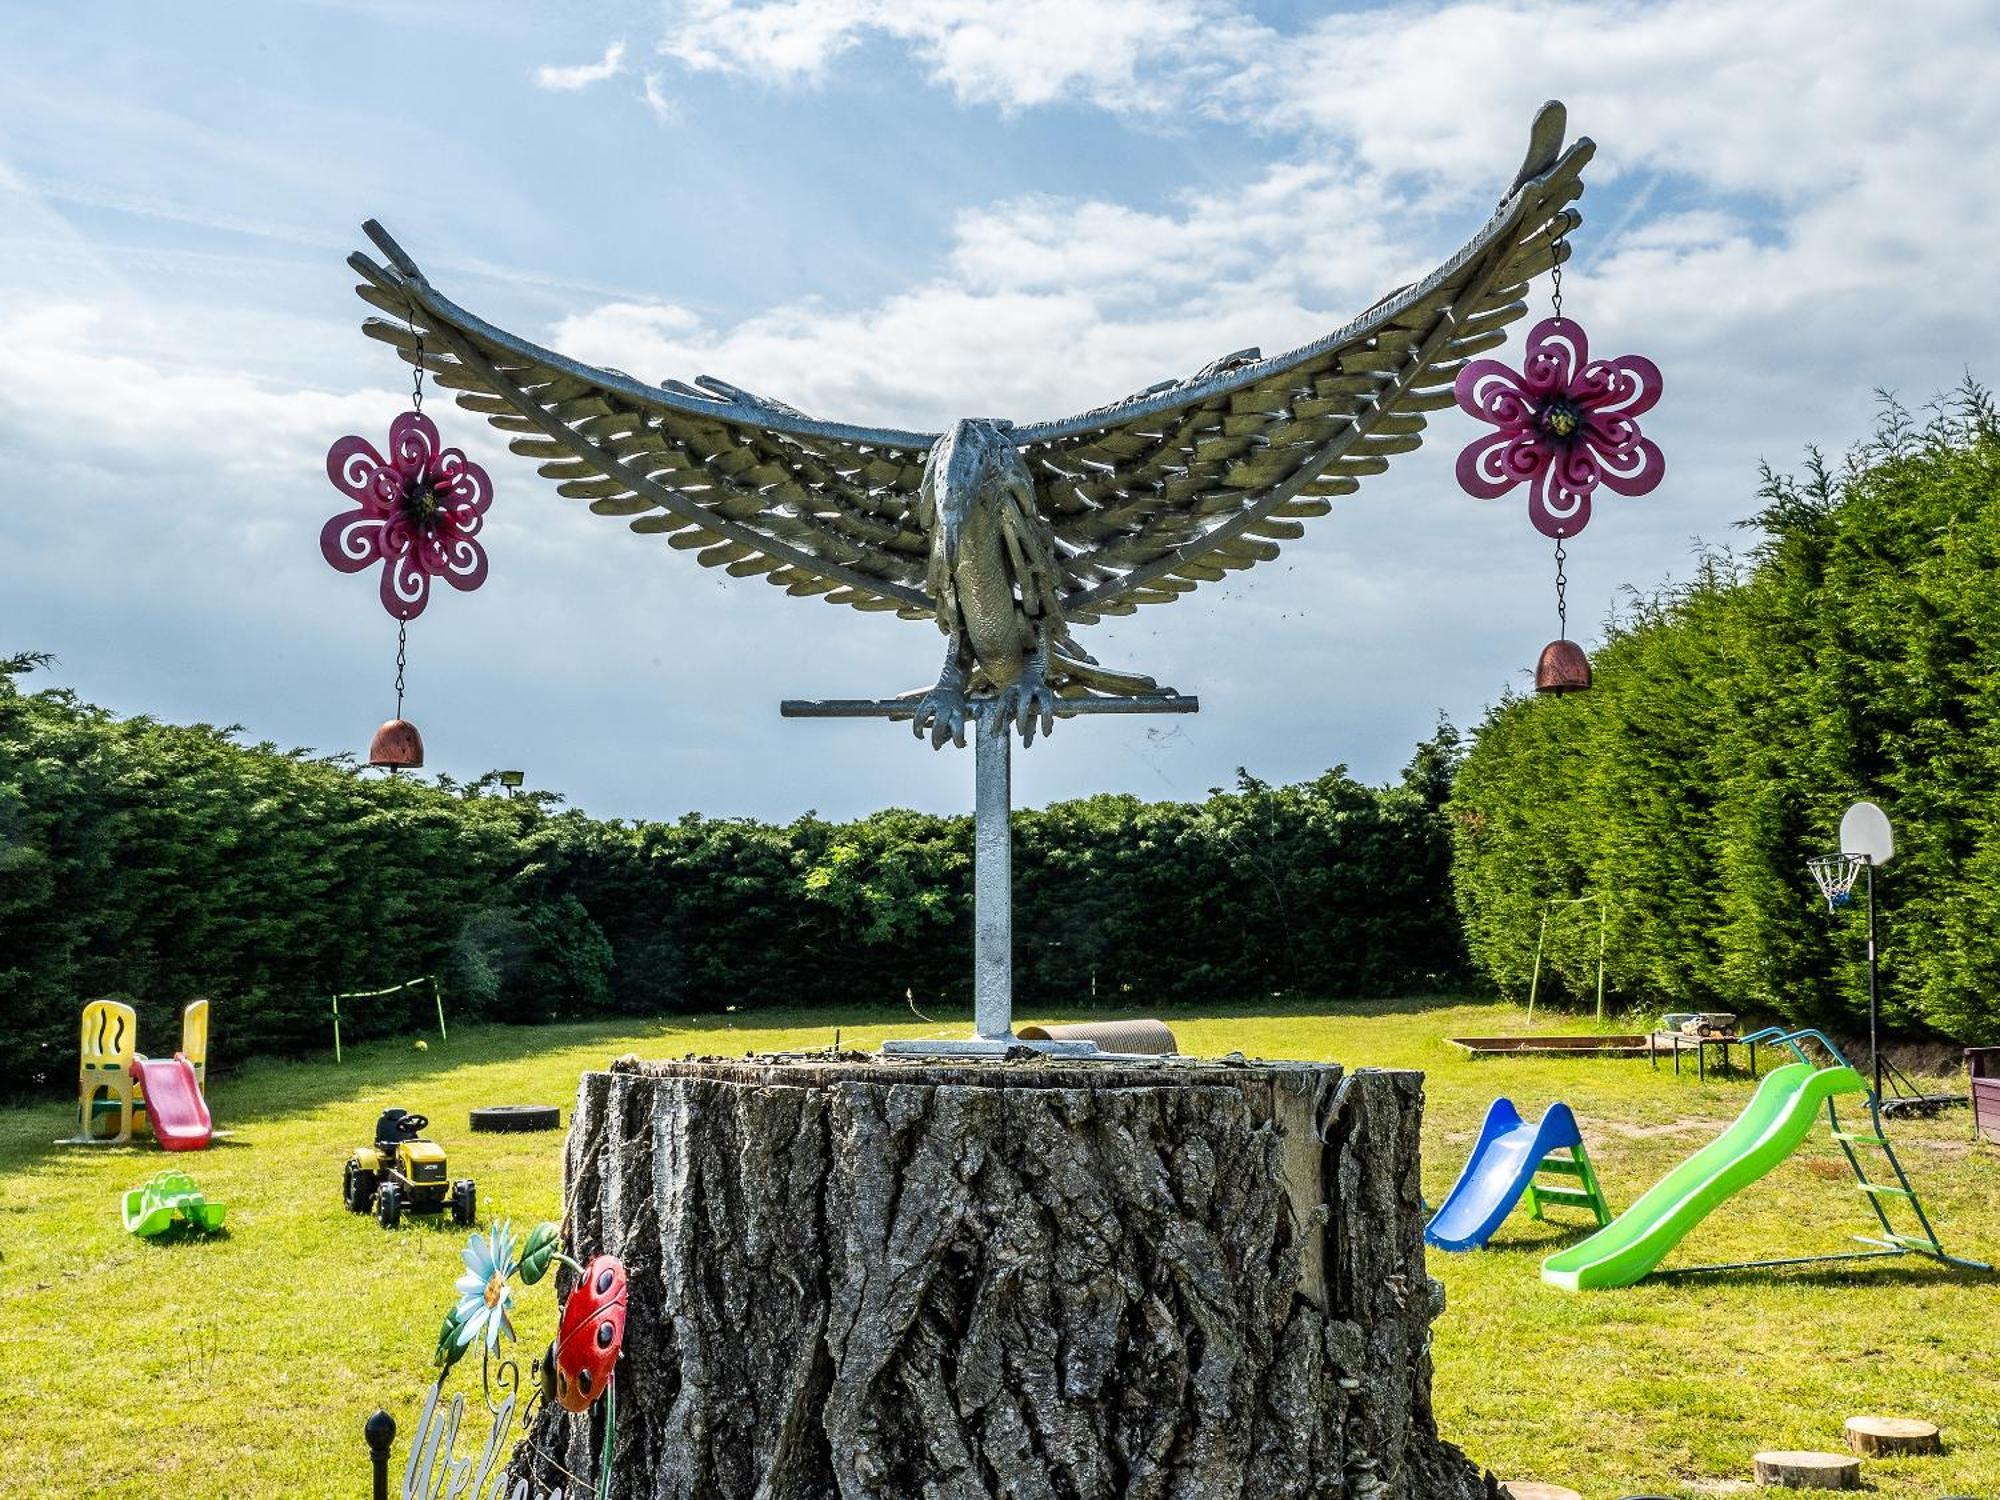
[(575, 1369), (592, 1333)]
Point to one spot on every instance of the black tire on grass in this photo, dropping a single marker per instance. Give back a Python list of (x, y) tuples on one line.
[(516, 1117), (357, 1188)]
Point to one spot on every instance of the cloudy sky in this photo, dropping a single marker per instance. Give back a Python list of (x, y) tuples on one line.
[(902, 211)]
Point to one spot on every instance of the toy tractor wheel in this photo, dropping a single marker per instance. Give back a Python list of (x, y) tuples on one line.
[(464, 1201), (389, 1206), (357, 1188)]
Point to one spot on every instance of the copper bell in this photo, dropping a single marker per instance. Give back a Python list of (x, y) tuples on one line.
[(398, 746), (1563, 669)]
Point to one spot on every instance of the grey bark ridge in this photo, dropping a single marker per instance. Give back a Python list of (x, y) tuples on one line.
[(931, 1280)]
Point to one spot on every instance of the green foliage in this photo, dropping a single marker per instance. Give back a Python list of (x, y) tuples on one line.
[(449, 1350), (539, 1250), (1852, 654), (165, 862)]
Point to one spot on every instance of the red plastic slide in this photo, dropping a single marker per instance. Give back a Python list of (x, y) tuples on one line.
[(174, 1105)]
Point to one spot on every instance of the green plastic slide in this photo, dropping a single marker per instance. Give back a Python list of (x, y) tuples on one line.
[(1779, 1116)]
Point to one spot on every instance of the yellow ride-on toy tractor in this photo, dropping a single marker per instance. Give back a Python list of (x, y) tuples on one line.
[(404, 1173)]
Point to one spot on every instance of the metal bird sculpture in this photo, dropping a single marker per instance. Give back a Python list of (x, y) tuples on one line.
[(1007, 536)]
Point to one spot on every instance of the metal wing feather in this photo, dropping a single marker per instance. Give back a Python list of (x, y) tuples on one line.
[(1188, 481), (745, 483)]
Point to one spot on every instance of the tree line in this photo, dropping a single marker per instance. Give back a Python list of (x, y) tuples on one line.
[(1852, 652), (159, 862)]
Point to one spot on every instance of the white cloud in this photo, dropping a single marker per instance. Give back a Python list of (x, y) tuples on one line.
[(655, 95), (582, 75), (1127, 54)]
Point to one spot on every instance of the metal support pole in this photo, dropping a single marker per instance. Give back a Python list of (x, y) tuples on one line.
[(1874, 999), (1603, 916), (993, 859), (1535, 983), (993, 880)]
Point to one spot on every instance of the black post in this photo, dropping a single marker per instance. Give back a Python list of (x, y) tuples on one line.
[(1874, 1003), (380, 1432)]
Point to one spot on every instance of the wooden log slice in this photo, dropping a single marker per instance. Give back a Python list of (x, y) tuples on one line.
[(1809, 1471), (1535, 1489), (1883, 1435)]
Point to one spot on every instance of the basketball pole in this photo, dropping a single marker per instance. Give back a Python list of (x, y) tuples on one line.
[(1874, 1001)]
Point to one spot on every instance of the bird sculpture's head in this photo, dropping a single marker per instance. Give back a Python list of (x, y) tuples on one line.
[(974, 464)]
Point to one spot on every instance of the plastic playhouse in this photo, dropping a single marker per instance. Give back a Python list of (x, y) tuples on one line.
[(117, 1085), (1778, 1118), (1510, 1159)]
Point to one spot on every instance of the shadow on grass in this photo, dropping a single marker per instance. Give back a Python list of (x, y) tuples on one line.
[(1354, 1008), (1853, 1275), (179, 1235), (264, 1089)]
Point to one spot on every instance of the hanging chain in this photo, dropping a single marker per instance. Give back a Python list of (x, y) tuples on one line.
[(417, 403), (417, 365), (1556, 273), (1562, 588), (402, 657)]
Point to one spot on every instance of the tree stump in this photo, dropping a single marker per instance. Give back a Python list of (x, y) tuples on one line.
[(864, 1277), (1870, 1436), (1809, 1471)]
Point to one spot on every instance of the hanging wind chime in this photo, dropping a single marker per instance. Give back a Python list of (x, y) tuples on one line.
[(1566, 424), (418, 513)]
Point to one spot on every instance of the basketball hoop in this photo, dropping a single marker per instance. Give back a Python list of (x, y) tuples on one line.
[(1835, 875)]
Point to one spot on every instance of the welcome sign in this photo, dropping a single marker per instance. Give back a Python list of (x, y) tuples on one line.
[(436, 1471)]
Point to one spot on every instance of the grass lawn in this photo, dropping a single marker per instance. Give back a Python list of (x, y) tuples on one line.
[(245, 1366)]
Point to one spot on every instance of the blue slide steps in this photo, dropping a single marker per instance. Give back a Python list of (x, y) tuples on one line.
[(1503, 1166)]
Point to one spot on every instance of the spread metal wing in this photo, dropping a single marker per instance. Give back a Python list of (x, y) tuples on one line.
[(745, 483), (1181, 484)]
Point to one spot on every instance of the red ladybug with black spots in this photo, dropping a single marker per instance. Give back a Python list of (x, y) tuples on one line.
[(591, 1334)]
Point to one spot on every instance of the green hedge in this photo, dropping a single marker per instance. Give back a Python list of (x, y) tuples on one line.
[(1854, 653), (161, 862)]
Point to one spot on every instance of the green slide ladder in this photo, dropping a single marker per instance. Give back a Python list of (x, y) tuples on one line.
[(1581, 1191), (1880, 1195)]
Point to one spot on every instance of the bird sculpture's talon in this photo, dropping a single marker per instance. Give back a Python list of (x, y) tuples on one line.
[(942, 711), (1030, 703)]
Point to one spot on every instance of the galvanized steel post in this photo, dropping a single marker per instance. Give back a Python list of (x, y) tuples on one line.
[(993, 879)]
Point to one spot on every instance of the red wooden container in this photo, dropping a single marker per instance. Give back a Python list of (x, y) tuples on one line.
[(1983, 1063)]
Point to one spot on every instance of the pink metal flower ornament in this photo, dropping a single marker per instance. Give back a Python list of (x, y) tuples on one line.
[(1565, 424), (417, 512)]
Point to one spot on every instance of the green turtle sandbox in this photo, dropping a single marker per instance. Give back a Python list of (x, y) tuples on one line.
[(168, 1198), (1778, 1118)]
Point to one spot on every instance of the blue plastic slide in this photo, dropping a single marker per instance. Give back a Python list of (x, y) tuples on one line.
[(1502, 1167)]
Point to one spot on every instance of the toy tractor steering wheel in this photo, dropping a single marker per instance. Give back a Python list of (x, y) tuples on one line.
[(415, 1124)]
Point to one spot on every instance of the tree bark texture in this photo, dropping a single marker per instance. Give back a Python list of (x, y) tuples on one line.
[(854, 1277)]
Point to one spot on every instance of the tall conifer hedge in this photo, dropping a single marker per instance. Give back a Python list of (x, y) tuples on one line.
[(1854, 653)]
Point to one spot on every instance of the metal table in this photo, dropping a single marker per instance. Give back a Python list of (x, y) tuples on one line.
[(1678, 1042)]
